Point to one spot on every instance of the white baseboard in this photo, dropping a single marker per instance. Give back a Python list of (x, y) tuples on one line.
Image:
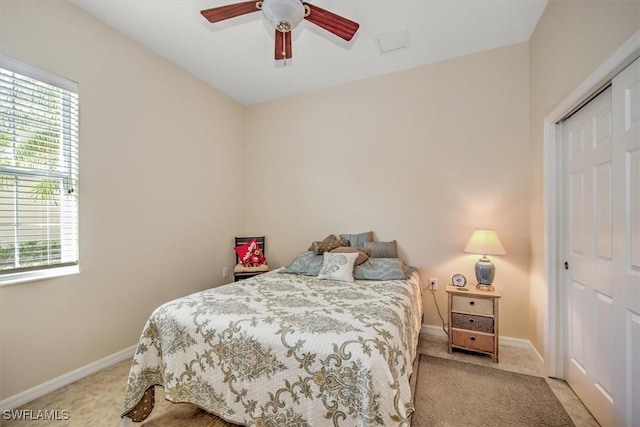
[(33, 393), (508, 341)]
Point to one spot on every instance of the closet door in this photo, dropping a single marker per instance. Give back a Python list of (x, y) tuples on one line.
[(601, 180), (588, 243), (626, 244)]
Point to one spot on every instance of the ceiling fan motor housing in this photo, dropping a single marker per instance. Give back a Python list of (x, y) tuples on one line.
[(283, 15)]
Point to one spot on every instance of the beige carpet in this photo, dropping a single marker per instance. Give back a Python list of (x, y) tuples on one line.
[(451, 393)]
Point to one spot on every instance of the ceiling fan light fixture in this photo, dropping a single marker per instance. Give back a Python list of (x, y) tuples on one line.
[(283, 15)]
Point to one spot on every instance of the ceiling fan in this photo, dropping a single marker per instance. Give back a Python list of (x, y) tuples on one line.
[(284, 16)]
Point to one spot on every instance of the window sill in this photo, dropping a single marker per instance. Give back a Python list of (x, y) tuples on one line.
[(32, 276)]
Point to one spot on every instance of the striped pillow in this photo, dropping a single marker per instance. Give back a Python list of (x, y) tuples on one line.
[(383, 249)]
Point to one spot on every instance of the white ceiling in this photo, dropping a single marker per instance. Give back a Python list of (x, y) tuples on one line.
[(236, 56)]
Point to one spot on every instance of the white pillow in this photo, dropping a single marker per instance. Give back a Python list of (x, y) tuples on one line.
[(338, 266)]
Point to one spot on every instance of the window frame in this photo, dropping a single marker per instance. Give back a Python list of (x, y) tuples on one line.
[(63, 268)]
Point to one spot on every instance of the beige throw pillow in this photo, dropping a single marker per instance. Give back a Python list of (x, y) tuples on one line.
[(363, 253), (329, 243)]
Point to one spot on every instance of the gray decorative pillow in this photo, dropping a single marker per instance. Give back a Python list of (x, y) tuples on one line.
[(330, 242), (383, 249), (306, 263), (338, 267), (358, 240), (382, 269), (363, 253)]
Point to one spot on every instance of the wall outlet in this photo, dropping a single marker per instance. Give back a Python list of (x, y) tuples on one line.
[(433, 284), (225, 273)]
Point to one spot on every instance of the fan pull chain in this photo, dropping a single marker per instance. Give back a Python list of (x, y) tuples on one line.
[(284, 48)]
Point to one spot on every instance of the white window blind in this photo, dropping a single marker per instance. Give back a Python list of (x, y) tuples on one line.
[(38, 170)]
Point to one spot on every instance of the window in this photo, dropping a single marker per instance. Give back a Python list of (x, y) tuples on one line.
[(38, 173)]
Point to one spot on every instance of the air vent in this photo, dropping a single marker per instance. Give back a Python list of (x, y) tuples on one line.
[(395, 40)]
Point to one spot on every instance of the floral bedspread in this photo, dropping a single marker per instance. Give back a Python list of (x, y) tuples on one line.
[(282, 349)]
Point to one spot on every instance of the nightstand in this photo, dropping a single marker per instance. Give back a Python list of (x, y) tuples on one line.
[(473, 320)]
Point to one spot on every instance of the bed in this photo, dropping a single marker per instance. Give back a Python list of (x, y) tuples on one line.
[(284, 349)]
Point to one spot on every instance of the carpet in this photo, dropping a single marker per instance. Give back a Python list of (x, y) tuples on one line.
[(451, 393)]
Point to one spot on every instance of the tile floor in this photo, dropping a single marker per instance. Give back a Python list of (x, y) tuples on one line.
[(95, 401)]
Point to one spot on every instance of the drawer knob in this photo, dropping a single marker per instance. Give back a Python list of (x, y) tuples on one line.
[(472, 320), (472, 303), (472, 338)]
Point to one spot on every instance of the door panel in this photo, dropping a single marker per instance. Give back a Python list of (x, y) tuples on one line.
[(577, 311), (626, 244), (577, 212), (631, 411), (603, 363), (603, 235), (589, 251), (633, 229)]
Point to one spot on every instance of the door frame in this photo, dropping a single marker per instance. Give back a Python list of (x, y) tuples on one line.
[(554, 320)]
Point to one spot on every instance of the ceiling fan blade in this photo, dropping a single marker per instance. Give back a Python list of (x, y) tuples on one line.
[(336, 24), (283, 45), (230, 11)]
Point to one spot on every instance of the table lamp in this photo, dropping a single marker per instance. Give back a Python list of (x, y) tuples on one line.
[(485, 242)]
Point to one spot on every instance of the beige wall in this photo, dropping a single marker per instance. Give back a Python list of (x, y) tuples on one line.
[(158, 208), (422, 156), (572, 39)]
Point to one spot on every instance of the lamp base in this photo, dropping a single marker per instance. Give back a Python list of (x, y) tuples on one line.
[(483, 287), (485, 271)]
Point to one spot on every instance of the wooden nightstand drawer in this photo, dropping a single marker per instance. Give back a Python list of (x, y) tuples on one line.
[(471, 322), (472, 305), (472, 340)]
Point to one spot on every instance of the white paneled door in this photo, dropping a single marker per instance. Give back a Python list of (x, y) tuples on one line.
[(601, 182), (589, 253), (626, 219)]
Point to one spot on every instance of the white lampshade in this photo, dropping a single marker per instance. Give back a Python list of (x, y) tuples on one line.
[(283, 15), (485, 242)]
